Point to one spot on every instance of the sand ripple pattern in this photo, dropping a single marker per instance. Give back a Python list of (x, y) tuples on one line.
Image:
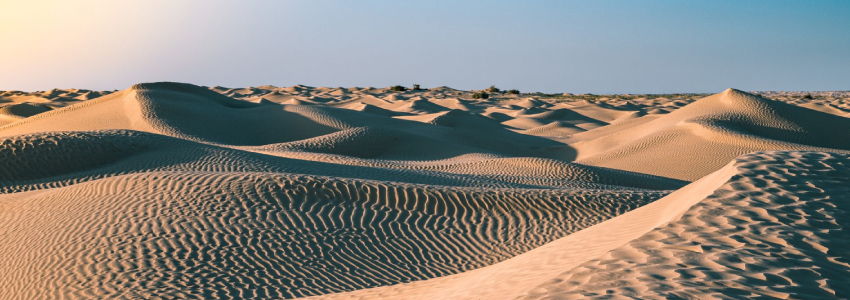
[(176, 191), (777, 230), (262, 235)]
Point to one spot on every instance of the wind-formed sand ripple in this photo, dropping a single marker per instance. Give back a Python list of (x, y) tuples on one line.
[(265, 235), (176, 191), (776, 230)]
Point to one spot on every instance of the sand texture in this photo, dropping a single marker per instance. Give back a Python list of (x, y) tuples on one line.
[(774, 230), (177, 191)]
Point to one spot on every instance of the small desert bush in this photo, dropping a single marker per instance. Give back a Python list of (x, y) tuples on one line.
[(493, 89), (398, 88), (807, 96), (480, 95), (416, 87), (513, 92)]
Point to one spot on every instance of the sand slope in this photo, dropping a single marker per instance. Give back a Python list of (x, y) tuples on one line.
[(174, 190), (237, 234), (776, 230), (171, 190), (715, 129), (198, 114), (769, 225)]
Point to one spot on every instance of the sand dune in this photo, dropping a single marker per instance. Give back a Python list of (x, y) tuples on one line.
[(768, 225), (715, 129), (273, 235), (171, 190), (776, 229), (16, 105)]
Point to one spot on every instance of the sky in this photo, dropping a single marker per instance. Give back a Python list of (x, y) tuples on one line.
[(599, 46)]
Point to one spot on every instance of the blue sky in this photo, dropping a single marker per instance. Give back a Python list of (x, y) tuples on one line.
[(546, 46)]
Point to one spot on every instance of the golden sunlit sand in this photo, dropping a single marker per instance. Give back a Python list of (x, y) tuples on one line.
[(177, 191)]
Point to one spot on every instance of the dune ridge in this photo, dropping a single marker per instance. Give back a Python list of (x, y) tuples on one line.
[(776, 229), (171, 190), (754, 228), (717, 129)]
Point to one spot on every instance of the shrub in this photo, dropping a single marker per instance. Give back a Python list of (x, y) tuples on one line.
[(480, 95), (513, 92), (493, 89), (398, 88), (807, 96), (416, 87)]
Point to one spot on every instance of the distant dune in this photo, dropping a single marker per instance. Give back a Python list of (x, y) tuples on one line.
[(715, 129), (176, 191)]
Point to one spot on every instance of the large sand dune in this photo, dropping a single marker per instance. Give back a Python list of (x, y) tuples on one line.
[(715, 129), (170, 190)]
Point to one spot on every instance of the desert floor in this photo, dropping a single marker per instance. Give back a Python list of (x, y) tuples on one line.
[(177, 191)]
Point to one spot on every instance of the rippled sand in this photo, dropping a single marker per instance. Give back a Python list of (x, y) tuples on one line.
[(170, 190)]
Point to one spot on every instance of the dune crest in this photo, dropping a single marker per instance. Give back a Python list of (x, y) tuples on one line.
[(776, 229), (721, 237), (172, 190), (716, 129)]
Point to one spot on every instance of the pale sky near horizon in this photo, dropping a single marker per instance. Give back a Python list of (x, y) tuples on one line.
[(547, 46)]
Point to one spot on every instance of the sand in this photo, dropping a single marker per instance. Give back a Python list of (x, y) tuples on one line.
[(171, 190)]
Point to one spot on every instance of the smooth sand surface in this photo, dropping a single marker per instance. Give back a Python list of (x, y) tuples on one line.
[(171, 190)]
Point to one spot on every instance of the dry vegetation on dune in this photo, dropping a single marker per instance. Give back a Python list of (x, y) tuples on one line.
[(171, 190)]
